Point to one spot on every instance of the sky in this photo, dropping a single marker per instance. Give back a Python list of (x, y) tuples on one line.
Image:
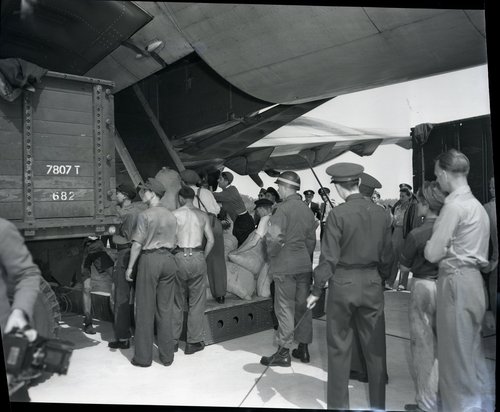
[(436, 99)]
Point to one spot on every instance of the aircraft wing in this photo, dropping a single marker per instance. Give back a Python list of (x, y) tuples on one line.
[(208, 71)]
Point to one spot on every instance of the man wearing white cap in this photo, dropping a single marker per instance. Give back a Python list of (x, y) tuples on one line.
[(290, 242)]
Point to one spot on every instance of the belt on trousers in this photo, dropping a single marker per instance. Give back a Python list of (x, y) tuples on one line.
[(125, 246), (357, 266), (188, 250), (159, 250)]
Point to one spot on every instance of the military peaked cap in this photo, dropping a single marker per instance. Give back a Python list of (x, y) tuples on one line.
[(308, 192), (405, 186), (344, 172), (263, 202)]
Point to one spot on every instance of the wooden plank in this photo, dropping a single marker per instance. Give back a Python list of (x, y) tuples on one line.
[(13, 151), (11, 195), (10, 109), (156, 124), (12, 137), (83, 154), (12, 210), (83, 169), (45, 210), (129, 164), (52, 182), (62, 115), (11, 167), (53, 84), (43, 126), (48, 139), (63, 100), (71, 195), (11, 124)]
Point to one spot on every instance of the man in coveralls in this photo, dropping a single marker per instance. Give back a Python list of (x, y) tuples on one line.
[(355, 250), (192, 226), (153, 239), (122, 239), (290, 242), (459, 243)]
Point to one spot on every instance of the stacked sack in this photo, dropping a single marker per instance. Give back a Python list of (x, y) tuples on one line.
[(247, 270)]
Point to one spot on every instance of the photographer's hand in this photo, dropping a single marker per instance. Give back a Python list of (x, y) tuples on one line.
[(17, 319)]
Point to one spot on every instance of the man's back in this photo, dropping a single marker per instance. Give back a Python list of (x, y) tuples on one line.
[(190, 226), (155, 228), (291, 237)]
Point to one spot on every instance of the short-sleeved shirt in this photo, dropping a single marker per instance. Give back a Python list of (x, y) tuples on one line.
[(128, 215), (412, 255), (231, 201), (357, 235), (155, 228)]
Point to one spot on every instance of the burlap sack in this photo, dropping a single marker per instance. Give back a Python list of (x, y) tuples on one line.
[(240, 281)]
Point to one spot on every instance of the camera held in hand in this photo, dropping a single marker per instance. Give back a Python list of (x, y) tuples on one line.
[(27, 355)]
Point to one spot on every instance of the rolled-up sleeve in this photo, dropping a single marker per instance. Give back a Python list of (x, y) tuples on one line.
[(330, 254), (442, 233), (141, 229), (22, 273)]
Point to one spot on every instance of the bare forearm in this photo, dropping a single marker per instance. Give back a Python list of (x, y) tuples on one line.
[(135, 251)]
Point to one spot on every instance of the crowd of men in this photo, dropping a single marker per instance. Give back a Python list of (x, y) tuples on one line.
[(441, 235)]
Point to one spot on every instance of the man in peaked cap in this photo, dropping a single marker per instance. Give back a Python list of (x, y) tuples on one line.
[(308, 197), (367, 187), (355, 251), (405, 218), (290, 242), (153, 239), (324, 208)]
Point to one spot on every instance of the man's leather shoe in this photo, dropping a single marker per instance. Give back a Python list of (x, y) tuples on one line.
[(302, 353), (280, 358), (135, 363), (194, 347), (220, 299), (413, 407), (119, 344), (88, 329)]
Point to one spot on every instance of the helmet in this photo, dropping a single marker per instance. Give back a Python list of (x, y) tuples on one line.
[(289, 179)]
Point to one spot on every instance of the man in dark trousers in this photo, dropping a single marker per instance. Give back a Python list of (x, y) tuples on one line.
[(367, 186), (153, 239), (356, 245), (122, 240), (216, 262), (308, 197), (325, 208), (290, 242), (193, 226), (233, 203)]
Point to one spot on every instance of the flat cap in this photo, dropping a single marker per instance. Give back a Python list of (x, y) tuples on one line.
[(405, 186), (324, 191), (127, 190), (344, 172), (263, 202), (228, 176), (190, 176), (308, 192), (154, 185)]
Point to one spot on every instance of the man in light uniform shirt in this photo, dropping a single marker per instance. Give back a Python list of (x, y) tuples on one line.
[(459, 243)]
